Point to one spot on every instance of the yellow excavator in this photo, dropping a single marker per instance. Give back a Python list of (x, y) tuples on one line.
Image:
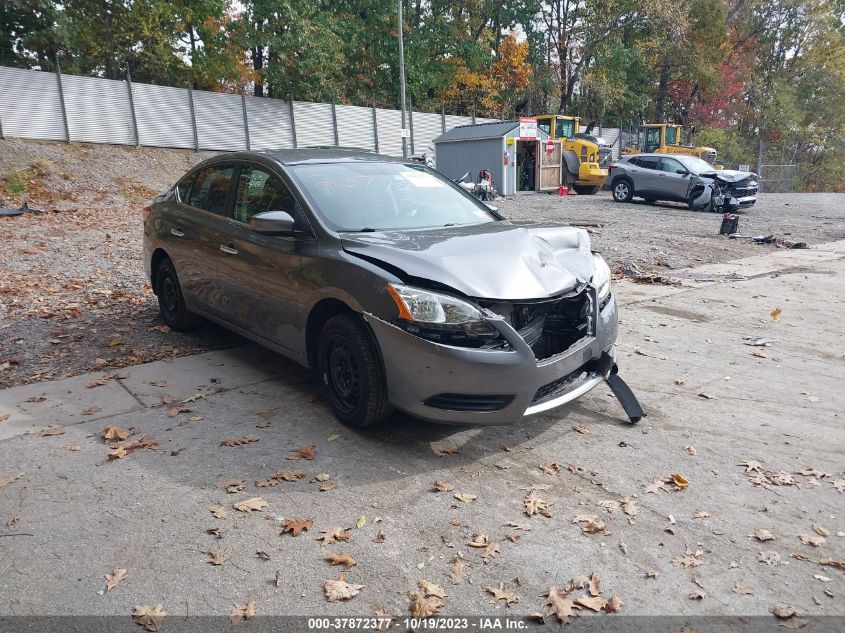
[(585, 157), (666, 138)]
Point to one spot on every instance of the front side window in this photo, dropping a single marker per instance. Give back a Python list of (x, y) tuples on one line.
[(259, 191), (671, 165), (211, 188), (357, 196), (565, 128)]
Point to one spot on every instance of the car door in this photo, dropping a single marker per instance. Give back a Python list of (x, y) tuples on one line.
[(194, 228), (675, 185), (646, 178), (259, 274)]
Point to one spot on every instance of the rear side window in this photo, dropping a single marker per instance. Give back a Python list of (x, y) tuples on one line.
[(635, 161), (649, 162), (211, 188)]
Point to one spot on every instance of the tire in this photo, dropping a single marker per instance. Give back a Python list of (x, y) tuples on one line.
[(350, 369), (584, 190), (623, 190), (171, 303)]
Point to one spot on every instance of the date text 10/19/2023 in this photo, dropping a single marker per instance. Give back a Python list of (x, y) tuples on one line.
[(416, 624)]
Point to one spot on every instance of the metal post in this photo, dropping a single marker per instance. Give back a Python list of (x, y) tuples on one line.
[(193, 119), (292, 121), (402, 80), (1, 130), (411, 124), (334, 124), (246, 120), (759, 162), (443, 120), (62, 99), (473, 117), (132, 108), (375, 128)]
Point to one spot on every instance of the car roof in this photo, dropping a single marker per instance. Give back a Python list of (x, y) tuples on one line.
[(312, 155)]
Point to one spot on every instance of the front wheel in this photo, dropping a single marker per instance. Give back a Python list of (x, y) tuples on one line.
[(171, 302), (623, 190), (351, 372), (584, 190)]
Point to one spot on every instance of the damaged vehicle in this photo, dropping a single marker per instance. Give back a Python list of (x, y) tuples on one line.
[(396, 286), (679, 178)]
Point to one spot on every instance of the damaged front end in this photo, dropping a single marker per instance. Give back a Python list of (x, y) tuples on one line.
[(724, 191)]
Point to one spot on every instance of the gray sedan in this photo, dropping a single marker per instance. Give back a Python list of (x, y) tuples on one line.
[(396, 286)]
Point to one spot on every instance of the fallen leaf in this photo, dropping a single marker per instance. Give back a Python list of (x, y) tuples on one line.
[(550, 468), (251, 504), (151, 618), (500, 593), (94, 408), (333, 437), (594, 585), (263, 555), (594, 603), (706, 395), (53, 429), (525, 527), (583, 430), (820, 530), (833, 562), (334, 535), (114, 433), (174, 411), (379, 538), (5, 481), (216, 532), (450, 450), (465, 497), (491, 551), (458, 572), (346, 560), (652, 574), (219, 512), (513, 538), (770, 558), (701, 515), (691, 450), (341, 590), (231, 485), (12, 520), (245, 611), (742, 590), (297, 526), (431, 589), (698, 595), (782, 611), (36, 399), (442, 486), (306, 453), (278, 580), (764, 535), (288, 475), (680, 481), (751, 466), (680, 381), (479, 540), (595, 527), (629, 506), (115, 578), (613, 605), (326, 486), (424, 606), (657, 484), (776, 314), (585, 518), (322, 477), (559, 603), (533, 504), (809, 539), (239, 441), (839, 484), (362, 521), (822, 578), (216, 557)]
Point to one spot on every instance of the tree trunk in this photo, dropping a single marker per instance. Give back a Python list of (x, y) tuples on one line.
[(662, 92), (258, 66)]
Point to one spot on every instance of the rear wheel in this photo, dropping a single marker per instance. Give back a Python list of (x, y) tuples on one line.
[(171, 302), (351, 372), (585, 190), (623, 190)]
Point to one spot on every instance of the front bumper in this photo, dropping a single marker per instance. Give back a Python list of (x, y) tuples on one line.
[(419, 371)]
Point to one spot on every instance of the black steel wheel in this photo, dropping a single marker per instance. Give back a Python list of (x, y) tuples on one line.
[(351, 371), (171, 303)]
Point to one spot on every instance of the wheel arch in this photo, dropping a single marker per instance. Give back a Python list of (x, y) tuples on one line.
[(158, 256), (319, 315)]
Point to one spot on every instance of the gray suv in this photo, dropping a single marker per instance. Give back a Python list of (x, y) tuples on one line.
[(681, 178), (399, 288)]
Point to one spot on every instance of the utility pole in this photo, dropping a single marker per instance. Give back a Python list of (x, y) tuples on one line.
[(402, 83)]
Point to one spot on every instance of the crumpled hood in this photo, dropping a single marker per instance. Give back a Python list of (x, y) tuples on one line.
[(731, 175), (486, 261)]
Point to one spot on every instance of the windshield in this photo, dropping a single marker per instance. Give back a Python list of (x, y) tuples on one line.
[(384, 196), (695, 164), (565, 128)]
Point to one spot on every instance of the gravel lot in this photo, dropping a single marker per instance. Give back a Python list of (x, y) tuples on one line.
[(74, 298)]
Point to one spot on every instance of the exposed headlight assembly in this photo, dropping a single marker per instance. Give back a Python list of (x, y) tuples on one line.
[(439, 317), (601, 278)]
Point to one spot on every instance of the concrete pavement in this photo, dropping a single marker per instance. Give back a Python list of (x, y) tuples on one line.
[(80, 515)]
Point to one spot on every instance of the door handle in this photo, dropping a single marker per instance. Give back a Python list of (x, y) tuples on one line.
[(177, 232), (228, 249)]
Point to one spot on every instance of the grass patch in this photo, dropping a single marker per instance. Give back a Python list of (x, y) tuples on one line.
[(25, 179)]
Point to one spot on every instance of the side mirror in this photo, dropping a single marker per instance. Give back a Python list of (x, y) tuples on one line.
[(683, 172), (272, 223)]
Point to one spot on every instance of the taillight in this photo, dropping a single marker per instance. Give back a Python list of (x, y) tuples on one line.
[(145, 213)]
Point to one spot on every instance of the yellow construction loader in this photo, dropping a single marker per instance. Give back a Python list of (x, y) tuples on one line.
[(666, 138), (585, 157)]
